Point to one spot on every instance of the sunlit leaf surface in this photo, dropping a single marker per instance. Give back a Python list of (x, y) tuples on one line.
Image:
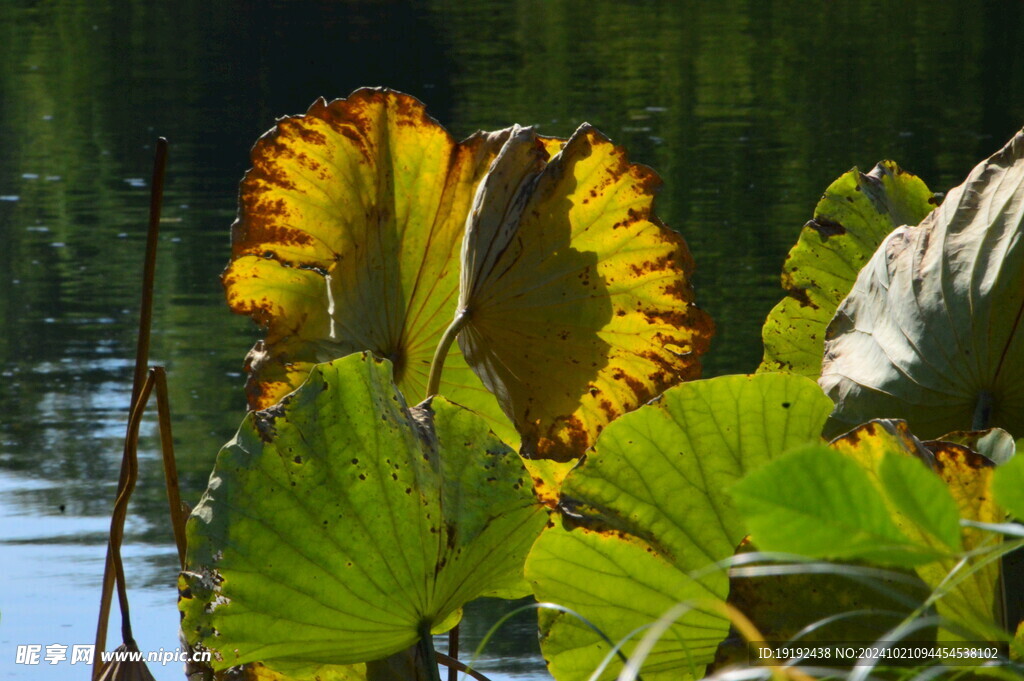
[(932, 330), (347, 239), (817, 502), (856, 212), (971, 596), (340, 523), (871, 496), (649, 506), (577, 298)]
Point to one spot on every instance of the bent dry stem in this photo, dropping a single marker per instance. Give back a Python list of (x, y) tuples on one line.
[(130, 464), (139, 376), (130, 470)]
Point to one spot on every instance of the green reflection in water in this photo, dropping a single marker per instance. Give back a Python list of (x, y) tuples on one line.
[(748, 110)]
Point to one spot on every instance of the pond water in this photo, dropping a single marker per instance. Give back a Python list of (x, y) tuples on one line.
[(748, 110)]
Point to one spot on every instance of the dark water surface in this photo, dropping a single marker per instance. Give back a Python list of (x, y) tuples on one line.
[(748, 110)]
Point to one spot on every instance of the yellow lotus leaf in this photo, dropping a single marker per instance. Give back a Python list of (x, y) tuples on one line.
[(347, 239), (969, 476), (575, 303)]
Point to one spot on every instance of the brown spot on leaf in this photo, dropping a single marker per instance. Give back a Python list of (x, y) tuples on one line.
[(610, 411), (948, 454), (566, 445), (641, 391), (826, 227), (313, 137), (450, 533), (675, 318), (679, 290), (633, 216), (800, 295), (657, 265)]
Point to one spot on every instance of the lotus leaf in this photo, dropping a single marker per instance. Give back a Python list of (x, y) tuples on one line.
[(547, 478), (817, 502), (856, 212), (872, 496), (575, 304), (648, 507), (968, 476), (931, 331), (340, 525), (347, 239)]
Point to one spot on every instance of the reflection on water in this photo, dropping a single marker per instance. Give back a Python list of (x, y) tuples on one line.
[(747, 109)]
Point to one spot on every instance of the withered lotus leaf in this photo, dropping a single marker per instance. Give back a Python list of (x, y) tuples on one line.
[(932, 330), (347, 239), (576, 300)]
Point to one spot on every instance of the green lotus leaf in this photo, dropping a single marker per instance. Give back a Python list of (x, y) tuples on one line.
[(931, 331), (971, 598), (341, 524), (648, 507), (921, 496), (818, 503), (887, 451), (821, 503), (856, 212), (348, 235), (575, 300)]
